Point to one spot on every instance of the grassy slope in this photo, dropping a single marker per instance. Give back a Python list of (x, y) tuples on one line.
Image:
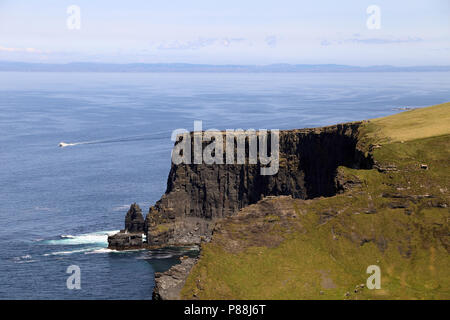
[(283, 248), (415, 124)]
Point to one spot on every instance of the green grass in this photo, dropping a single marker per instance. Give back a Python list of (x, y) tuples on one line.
[(163, 227), (320, 248), (415, 124)]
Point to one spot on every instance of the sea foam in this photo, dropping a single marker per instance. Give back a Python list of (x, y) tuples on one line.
[(100, 238)]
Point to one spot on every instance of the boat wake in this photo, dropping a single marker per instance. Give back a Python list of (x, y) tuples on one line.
[(154, 136)]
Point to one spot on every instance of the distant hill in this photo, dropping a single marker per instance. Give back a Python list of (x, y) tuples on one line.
[(185, 67)]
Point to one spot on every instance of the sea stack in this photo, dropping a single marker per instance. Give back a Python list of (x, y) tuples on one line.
[(131, 236), (134, 220)]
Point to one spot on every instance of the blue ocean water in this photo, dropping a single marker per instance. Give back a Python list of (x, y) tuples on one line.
[(57, 205)]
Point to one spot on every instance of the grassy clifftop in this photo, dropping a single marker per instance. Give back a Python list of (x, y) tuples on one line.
[(395, 216), (412, 125)]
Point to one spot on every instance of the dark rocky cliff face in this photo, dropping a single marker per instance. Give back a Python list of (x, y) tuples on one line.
[(199, 194)]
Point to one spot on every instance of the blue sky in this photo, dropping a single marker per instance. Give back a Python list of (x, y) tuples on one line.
[(227, 32)]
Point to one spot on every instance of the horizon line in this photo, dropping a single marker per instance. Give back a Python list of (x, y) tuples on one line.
[(226, 64), (142, 67)]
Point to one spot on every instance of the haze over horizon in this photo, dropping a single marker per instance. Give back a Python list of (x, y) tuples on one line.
[(6, 66), (410, 33), (181, 63)]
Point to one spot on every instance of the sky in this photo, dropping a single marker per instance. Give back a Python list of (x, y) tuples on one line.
[(352, 32)]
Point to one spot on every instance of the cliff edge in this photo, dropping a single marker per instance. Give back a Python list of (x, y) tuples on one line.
[(345, 198), (392, 218), (199, 195)]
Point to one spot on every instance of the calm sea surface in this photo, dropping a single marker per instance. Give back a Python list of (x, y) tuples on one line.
[(57, 205)]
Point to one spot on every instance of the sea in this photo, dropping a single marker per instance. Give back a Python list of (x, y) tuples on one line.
[(58, 205)]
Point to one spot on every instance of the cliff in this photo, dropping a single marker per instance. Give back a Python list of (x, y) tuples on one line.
[(393, 217), (345, 197), (198, 195), (168, 284)]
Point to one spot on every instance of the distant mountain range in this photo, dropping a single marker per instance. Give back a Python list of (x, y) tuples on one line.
[(185, 67)]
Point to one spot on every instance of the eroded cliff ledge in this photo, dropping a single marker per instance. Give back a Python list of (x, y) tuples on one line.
[(198, 195)]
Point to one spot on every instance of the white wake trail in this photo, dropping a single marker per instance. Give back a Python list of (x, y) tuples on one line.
[(156, 135)]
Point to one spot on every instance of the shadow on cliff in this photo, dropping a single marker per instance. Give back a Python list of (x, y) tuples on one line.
[(199, 194)]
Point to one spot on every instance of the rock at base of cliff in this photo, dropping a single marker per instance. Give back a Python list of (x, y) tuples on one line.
[(125, 241), (168, 284)]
